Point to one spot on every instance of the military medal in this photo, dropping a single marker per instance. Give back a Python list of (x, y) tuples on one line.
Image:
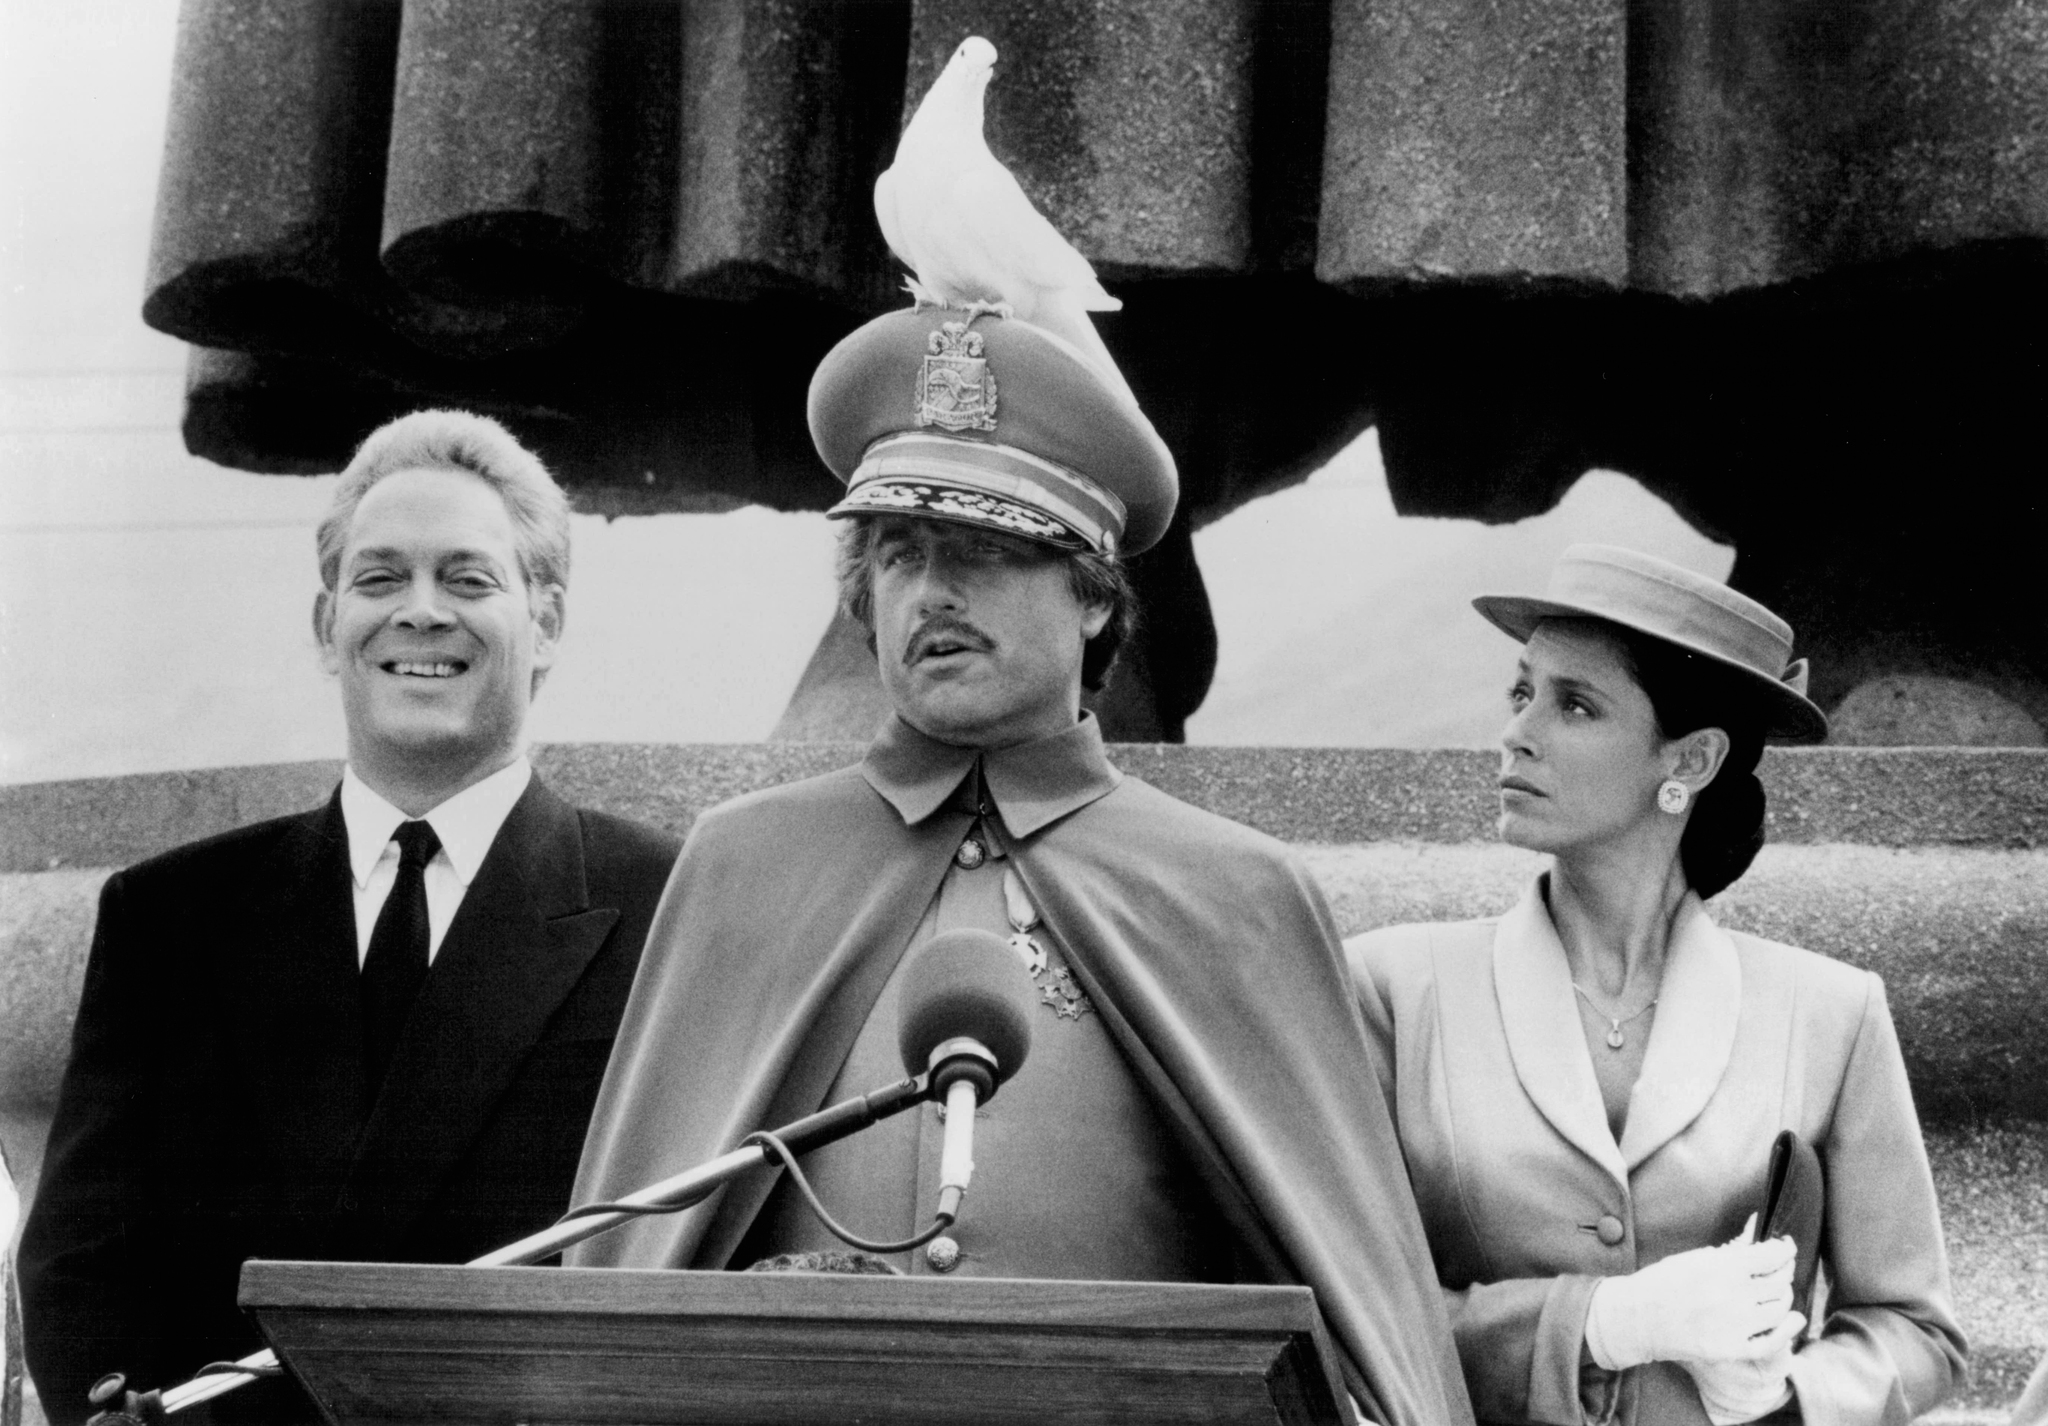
[(1023, 917), (1064, 995), (1058, 991), (1030, 952)]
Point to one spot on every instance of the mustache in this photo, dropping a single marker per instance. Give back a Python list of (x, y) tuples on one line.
[(943, 628)]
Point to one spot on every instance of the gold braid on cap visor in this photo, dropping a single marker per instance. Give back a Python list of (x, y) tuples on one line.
[(983, 483)]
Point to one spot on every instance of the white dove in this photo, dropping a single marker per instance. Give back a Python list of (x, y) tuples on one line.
[(958, 220)]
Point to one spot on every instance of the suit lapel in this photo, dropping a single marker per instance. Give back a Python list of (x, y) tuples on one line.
[(1692, 1037), (520, 942), (292, 970), (1541, 1021)]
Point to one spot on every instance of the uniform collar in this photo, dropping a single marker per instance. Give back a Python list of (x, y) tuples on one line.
[(466, 823), (1034, 784)]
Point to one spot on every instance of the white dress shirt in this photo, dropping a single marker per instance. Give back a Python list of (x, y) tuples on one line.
[(466, 823)]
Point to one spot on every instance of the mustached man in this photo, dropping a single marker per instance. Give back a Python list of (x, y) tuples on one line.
[(1199, 1104)]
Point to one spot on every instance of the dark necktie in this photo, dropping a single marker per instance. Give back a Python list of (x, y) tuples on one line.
[(396, 966)]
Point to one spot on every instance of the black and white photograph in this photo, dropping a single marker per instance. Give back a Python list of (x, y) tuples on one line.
[(1126, 711)]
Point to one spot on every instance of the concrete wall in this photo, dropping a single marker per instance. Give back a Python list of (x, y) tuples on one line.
[(1929, 866)]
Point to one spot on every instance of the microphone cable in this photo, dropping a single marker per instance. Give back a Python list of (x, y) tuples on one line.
[(964, 1001), (640, 1209), (767, 1139)]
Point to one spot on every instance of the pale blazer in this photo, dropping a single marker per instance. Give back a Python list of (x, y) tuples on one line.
[(2032, 1407), (1481, 1053)]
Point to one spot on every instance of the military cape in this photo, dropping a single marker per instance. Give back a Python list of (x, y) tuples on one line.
[(1206, 947)]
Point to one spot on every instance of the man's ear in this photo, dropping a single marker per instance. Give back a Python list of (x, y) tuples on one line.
[(550, 605), (1094, 619), (323, 631), (1697, 757)]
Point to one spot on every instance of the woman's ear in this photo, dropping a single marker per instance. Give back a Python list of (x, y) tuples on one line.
[(1696, 758)]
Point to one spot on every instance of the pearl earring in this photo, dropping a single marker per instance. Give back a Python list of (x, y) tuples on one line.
[(1673, 796)]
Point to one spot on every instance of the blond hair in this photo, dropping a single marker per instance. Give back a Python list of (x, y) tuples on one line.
[(464, 441)]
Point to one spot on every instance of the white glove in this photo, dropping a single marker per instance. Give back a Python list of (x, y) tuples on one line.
[(1740, 1391), (1705, 1305)]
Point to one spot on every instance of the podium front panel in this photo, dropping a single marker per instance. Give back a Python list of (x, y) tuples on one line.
[(391, 1344)]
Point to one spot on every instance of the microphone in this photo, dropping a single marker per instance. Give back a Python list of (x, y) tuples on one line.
[(965, 1021), (964, 1016)]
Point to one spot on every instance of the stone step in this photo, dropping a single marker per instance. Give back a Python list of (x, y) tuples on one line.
[(1880, 797)]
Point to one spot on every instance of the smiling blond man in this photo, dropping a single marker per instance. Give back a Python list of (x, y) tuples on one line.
[(374, 1030), (1199, 1104)]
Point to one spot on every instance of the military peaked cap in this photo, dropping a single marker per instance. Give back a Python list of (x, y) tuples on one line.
[(986, 420)]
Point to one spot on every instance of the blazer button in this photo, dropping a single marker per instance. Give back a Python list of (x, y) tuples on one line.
[(943, 1254), (970, 855), (1610, 1230)]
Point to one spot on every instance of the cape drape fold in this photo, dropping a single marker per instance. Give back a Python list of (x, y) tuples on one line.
[(1208, 941)]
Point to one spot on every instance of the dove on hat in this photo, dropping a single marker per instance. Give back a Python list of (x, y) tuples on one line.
[(959, 220)]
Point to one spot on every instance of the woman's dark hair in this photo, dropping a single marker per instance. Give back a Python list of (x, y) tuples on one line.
[(1687, 693), (1092, 578)]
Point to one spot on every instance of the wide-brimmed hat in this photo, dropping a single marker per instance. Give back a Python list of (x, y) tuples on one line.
[(984, 420), (1700, 615)]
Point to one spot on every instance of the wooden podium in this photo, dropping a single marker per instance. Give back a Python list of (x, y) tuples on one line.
[(555, 1346)]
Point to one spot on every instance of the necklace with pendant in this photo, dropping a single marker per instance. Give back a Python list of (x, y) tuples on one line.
[(1615, 1039)]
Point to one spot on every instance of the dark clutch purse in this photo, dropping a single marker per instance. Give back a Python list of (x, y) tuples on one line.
[(1794, 1196)]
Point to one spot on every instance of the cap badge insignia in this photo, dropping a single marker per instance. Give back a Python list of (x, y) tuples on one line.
[(955, 390)]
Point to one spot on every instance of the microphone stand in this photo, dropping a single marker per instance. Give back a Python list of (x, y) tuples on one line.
[(685, 1189)]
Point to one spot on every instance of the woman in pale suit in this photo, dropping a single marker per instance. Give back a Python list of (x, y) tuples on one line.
[(1588, 1087)]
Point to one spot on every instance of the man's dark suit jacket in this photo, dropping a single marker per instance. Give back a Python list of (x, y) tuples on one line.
[(214, 1108)]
